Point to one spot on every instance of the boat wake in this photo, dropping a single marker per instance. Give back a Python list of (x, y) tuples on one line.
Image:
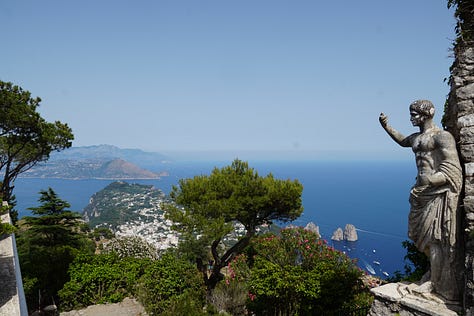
[(380, 234)]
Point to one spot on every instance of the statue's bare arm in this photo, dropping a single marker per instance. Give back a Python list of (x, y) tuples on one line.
[(398, 137)]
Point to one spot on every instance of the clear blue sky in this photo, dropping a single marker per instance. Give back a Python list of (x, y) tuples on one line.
[(303, 78)]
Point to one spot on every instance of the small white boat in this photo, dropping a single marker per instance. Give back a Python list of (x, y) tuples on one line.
[(376, 262), (370, 269)]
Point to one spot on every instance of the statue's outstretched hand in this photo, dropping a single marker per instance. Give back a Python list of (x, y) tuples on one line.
[(383, 119)]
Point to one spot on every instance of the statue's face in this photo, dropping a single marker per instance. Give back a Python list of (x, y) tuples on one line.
[(416, 118)]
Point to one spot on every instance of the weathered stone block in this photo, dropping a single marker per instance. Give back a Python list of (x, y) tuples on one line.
[(467, 152), (469, 180), (469, 169), (466, 121), (465, 107), (466, 91), (468, 55), (457, 81), (405, 299), (466, 134), (468, 204)]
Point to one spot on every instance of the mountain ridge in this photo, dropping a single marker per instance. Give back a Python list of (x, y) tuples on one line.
[(100, 162)]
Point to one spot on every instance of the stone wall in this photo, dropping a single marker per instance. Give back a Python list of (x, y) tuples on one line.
[(459, 120), (12, 298)]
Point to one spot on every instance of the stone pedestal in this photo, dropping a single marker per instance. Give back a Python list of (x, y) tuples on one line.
[(409, 299)]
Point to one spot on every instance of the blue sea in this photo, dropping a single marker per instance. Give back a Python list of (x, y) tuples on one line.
[(373, 196)]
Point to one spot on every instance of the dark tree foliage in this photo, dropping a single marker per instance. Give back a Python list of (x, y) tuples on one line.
[(209, 206), (420, 263), (417, 264), (47, 244), (465, 20), (25, 137)]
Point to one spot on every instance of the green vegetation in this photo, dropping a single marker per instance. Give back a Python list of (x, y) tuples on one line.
[(5, 228), (209, 207), (162, 285), (465, 21), (98, 279), (169, 284), (418, 264), (47, 243), (131, 246), (25, 137), (296, 273)]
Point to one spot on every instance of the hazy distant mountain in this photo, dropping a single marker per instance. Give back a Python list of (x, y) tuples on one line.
[(90, 169), (149, 160), (100, 162)]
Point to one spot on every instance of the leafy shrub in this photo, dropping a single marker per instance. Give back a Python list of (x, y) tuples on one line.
[(171, 283), (7, 229), (104, 278), (131, 246), (297, 273)]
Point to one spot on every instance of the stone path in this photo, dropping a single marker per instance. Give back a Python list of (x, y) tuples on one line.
[(128, 307)]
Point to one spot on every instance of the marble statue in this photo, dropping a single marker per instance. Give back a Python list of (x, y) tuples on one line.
[(432, 221)]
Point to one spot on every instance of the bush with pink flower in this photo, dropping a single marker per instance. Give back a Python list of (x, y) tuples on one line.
[(296, 273)]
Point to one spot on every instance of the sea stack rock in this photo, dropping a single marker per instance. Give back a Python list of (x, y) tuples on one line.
[(312, 228), (350, 233), (338, 234)]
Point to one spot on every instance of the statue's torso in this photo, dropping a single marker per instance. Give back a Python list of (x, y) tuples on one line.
[(426, 151)]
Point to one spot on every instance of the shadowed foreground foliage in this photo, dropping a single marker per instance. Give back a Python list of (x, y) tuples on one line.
[(162, 286), (47, 243)]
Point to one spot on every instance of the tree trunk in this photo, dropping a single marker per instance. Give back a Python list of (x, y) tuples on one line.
[(220, 262)]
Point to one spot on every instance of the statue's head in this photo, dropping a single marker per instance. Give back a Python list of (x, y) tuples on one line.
[(423, 107), (420, 110)]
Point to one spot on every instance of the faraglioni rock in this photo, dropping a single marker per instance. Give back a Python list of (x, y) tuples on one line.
[(313, 228), (338, 234), (350, 233)]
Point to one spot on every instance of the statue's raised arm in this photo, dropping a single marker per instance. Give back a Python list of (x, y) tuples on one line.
[(398, 137)]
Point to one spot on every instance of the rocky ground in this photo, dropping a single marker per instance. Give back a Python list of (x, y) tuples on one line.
[(128, 307)]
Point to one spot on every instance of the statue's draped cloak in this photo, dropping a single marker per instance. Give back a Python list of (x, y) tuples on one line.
[(433, 210)]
